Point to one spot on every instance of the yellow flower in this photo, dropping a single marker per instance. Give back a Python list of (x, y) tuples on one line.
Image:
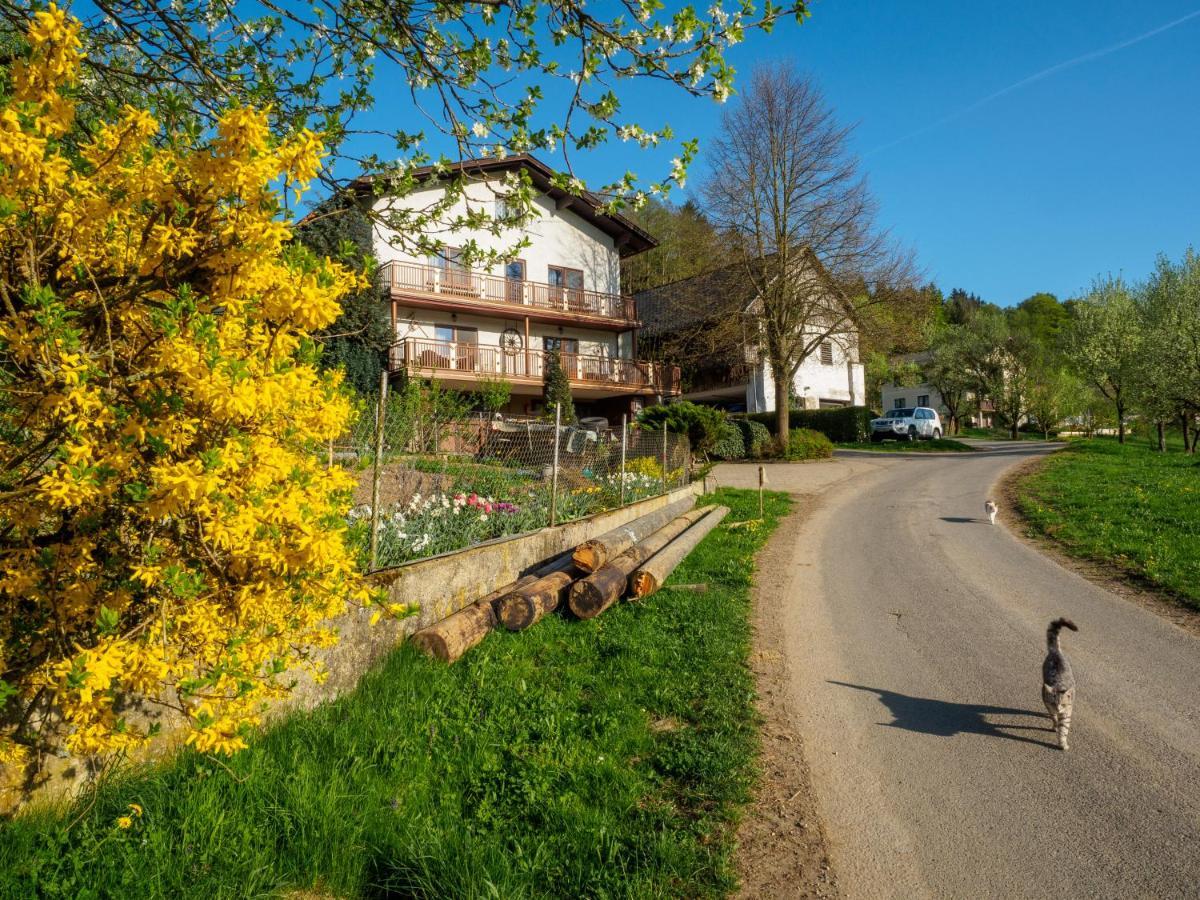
[(124, 822), (135, 809)]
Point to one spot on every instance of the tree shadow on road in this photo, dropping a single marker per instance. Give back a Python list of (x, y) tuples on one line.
[(944, 718)]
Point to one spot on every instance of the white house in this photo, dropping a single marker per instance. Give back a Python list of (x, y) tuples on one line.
[(562, 292), (678, 315), (973, 411)]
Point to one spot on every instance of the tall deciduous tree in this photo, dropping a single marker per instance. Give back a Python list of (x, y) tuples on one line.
[(786, 188), (1172, 310), (688, 244), (1105, 343)]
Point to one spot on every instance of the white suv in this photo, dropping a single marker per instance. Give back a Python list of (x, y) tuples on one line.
[(907, 425)]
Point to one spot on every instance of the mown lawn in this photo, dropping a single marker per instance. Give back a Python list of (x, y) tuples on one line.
[(1129, 505), (606, 758), (939, 445)]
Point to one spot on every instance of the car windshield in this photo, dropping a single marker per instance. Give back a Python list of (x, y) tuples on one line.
[(900, 414)]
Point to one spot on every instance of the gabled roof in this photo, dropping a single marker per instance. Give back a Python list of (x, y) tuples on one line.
[(628, 237), (728, 290)]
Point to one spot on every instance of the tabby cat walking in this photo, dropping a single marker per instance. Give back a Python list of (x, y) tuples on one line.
[(1058, 681)]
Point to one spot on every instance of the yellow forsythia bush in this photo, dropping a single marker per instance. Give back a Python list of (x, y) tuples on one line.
[(166, 529)]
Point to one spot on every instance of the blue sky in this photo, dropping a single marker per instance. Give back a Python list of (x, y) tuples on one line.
[(1091, 169)]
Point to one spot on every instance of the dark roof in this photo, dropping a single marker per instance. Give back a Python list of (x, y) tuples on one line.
[(688, 301), (629, 238), (719, 293)]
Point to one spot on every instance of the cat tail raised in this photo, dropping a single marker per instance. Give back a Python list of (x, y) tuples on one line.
[(1055, 627)]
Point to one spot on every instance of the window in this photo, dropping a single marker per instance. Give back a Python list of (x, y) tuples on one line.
[(566, 285), (568, 351), (922, 400), (502, 208), (455, 277), (898, 403), (827, 354)]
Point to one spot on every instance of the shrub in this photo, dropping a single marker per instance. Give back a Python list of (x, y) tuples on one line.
[(805, 443), (170, 532), (557, 389), (756, 437), (847, 424), (702, 424), (730, 443)]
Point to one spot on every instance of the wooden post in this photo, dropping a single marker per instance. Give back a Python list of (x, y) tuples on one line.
[(554, 474), (595, 552), (624, 450), (649, 576), (329, 462), (593, 595), (527, 604), (377, 473), (762, 480)]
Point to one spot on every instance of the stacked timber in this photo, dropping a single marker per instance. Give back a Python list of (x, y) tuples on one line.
[(634, 559), (450, 638), (606, 585), (594, 553), (649, 577)]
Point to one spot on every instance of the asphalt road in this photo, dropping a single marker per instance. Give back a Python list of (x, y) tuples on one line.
[(914, 638)]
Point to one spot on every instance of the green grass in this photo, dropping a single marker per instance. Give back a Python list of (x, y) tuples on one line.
[(1129, 506), (1003, 434), (939, 445), (606, 758)]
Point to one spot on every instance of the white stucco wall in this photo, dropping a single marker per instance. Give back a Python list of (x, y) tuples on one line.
[(842, 381), (557, 237)]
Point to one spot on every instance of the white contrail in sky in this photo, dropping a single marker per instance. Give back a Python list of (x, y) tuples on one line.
[(1038, 76)]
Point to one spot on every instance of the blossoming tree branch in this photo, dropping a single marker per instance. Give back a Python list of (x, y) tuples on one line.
[(166, 529), (480, 78)]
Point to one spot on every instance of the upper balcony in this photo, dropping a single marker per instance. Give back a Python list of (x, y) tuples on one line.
[(462, 289)]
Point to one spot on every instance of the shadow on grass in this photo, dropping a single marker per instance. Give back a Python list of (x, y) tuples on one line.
[(944, 718)]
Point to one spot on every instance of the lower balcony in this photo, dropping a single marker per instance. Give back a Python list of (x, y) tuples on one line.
[(461, 364)]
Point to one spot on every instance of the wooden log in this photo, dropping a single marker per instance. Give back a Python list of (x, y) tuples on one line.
[(525, 606), (450, 638), (594, 553), (650, 576), (593, 595)]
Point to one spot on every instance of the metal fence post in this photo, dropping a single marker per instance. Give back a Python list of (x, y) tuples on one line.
[(554, 474), (378, 471), (664, 458), (624, 450)]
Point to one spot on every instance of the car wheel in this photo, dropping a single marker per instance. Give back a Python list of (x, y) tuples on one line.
[(937, 434), (912, 432)]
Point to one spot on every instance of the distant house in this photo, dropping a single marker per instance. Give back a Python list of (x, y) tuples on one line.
[(732, 371), (972, 414), (562, 293)]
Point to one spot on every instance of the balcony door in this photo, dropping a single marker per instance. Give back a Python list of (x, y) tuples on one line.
[(566, 287), (455, 278), (459, 346), (568, 352), (514, 281)]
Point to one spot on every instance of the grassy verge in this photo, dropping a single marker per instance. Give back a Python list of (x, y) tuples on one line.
[(1129, 506), (601, 758), (940, 445), (1003, 434)]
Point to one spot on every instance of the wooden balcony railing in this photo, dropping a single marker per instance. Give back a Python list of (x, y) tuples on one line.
[(432, 358), (478, 286)]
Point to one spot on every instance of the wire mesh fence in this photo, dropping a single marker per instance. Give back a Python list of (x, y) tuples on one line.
[(428, 485)]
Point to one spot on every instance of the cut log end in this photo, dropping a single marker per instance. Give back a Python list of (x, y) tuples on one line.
[(588, 557), (643, 584)]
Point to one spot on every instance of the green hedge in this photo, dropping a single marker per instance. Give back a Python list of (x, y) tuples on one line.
[(742, 439), (729, 444), (804, 443), (844, 424)]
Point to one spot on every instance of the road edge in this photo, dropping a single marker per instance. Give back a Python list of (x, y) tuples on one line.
[(1127, 585), (782, 848)]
